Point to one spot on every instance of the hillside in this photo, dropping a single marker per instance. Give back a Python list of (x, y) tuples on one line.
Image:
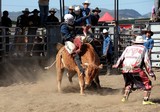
[(123, 14)]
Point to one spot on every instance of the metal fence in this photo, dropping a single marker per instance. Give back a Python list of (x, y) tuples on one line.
[(18, 44), (32, 42)]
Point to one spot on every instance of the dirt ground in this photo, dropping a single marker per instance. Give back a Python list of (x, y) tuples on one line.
[(40, 95)]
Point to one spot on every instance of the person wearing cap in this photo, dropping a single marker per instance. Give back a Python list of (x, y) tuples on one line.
[(34, 23), (133, 61), (6, 22), (44, 8), (22, 24), (23, 20), (95, 16), (78, 14), (107, 50), (71, 11), (34, 19), (86, 11), (149, 42), (38, 48), (52, 19), (68, 33), (77, 11)]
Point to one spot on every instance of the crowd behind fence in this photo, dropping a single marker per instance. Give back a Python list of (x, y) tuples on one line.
[(17, 47), (45, 40)]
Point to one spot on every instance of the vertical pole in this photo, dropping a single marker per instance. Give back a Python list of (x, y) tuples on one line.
[(63, 9), (116, 30), (115, 8), (60, 2), (0, 10), (117, 13)]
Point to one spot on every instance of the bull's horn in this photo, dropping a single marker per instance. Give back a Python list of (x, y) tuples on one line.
[(86, 64), (100, 66)]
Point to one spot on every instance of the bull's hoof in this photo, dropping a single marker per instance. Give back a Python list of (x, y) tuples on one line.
[(59, 91), (99, 87), (82, 94)]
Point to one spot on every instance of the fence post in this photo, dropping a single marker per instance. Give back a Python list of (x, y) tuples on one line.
[(53, 37)]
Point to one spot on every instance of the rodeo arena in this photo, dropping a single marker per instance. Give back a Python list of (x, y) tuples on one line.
[(80, 62)]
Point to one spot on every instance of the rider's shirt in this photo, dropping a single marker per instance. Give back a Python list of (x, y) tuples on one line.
[(68, 31)]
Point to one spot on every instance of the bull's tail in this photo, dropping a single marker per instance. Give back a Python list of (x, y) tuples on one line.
[(59, 46), (48, 67)]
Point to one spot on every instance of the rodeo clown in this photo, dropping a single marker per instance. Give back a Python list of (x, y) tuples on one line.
[(133, 60), (68, 33)]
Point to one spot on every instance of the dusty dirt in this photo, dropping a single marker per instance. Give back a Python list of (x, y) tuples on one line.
[(19, 93)]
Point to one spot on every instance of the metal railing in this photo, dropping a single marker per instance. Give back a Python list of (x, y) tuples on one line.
[(30, 42), (49, 36)]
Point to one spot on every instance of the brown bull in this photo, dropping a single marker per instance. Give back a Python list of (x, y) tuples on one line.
[(90, 61)]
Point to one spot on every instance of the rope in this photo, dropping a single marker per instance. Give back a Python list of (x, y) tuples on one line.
[(46, 68)]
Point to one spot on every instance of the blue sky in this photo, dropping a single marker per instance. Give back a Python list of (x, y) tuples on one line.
[(142, 6)]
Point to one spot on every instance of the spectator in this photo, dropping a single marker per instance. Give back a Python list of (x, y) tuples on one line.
[(112, 29), (85, 12), (6, 22), (153, 14), (71, 11), (52, 19), (23, 20), (107, 50), (133, 61), (77, 11), (78, 15), (157, 9), (43, 7), (149, 42), (22, 24), (38, 49), (34, 23), (95, 16)]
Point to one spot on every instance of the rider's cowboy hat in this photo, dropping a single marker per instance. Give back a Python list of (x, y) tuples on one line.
[(86, 2), (96, 10), (52, 10), (35, 11), (139, 40), (26, 10), (71, 8)]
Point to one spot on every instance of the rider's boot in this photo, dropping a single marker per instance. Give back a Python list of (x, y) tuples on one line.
[(78, 63)]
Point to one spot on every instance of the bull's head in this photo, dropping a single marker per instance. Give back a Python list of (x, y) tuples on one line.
[(90, 72)]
